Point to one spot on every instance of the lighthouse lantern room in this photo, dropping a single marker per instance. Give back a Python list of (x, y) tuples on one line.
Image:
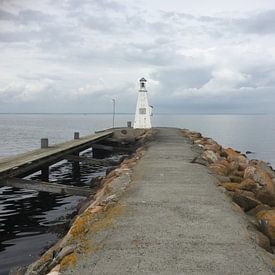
[(143, 110)]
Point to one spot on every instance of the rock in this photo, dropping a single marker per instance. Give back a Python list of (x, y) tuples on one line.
[(82, 205), (231, 153), (210, 156), (219, 169), (222, 178), (56, 268), (265, 197), (224, 162), (267, 168), (237, 208), (210, 141), (195, 135), (54, 273), (257, 209), (234, 165), (260, 176), (266, 220), (223, 154), (249, 152), (249, 172), (243, 159), (110, 199), (243, 166), (96, 181), (200, 160), (253, 162), (264, 179), (245, 199), (231, 186), (213, 147), (230, 193), (199, 141), (238, 173), (235, 155), (235, 178), (263, 241), (64, 252), (248, 184)]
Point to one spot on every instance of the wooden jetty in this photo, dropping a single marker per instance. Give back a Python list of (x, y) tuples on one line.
[(14, 169)]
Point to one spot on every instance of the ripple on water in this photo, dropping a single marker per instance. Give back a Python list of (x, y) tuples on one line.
[(31, 220)]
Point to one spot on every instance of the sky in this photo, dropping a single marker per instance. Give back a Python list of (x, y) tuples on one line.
[(199, 56)]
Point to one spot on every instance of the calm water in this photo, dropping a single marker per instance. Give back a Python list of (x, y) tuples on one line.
[(27, 216), (19, 133)]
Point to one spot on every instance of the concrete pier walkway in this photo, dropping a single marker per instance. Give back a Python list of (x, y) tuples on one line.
[(174, 221)]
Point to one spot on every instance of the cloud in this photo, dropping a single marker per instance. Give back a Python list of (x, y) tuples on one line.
[(77, 55), (261, 23)]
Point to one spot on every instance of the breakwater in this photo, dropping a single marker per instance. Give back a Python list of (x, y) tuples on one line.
[(173, 194)]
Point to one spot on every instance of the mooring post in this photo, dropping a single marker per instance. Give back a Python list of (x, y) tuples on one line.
[(45, 172), (44, 143), (45, 169), (76, 135), (129, 124)]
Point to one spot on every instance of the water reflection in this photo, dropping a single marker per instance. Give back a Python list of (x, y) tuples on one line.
[(28, 217)]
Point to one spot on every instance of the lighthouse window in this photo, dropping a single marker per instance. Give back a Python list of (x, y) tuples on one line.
[(142, 85), (142, 111)]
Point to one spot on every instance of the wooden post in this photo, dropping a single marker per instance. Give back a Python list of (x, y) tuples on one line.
[(76, 135), (44, 143), (129, 124), (45, 171)]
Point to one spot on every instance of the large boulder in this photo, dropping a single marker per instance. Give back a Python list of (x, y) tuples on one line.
[(267, 168), (243, 166), (249, 172), (248, 185), (195, 135), (263, 241), (266, 220), (231, 153), (265, 197), (199, 141), (231, 186), (213, 147), (210, 156), (260, 176), (219, 169), (257, 209), (235, 178), (245, 199)]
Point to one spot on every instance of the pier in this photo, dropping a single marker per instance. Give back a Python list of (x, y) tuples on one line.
[(172, 220), (14, 169)]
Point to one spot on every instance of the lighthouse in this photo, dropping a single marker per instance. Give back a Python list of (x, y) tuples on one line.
[(143, 110)]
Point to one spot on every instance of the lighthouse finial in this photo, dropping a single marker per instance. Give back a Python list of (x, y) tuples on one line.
[(142, 82)]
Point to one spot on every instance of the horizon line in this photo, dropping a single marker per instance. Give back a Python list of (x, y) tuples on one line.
[(125, 113)]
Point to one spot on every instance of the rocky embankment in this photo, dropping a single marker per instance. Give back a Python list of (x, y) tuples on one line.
[(249, 183), (94, 213)]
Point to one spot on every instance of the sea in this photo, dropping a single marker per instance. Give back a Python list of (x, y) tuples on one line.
[(30, 221)]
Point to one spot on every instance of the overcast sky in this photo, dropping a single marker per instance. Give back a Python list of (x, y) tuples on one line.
[(198, 56)]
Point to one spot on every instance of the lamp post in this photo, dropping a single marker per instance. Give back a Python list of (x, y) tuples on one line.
[(114, 111)]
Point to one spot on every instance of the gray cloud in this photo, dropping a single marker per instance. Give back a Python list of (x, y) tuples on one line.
[(261, 23), (78, 55)]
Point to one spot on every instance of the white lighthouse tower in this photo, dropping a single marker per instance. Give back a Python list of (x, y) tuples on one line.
[(143, 110)]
